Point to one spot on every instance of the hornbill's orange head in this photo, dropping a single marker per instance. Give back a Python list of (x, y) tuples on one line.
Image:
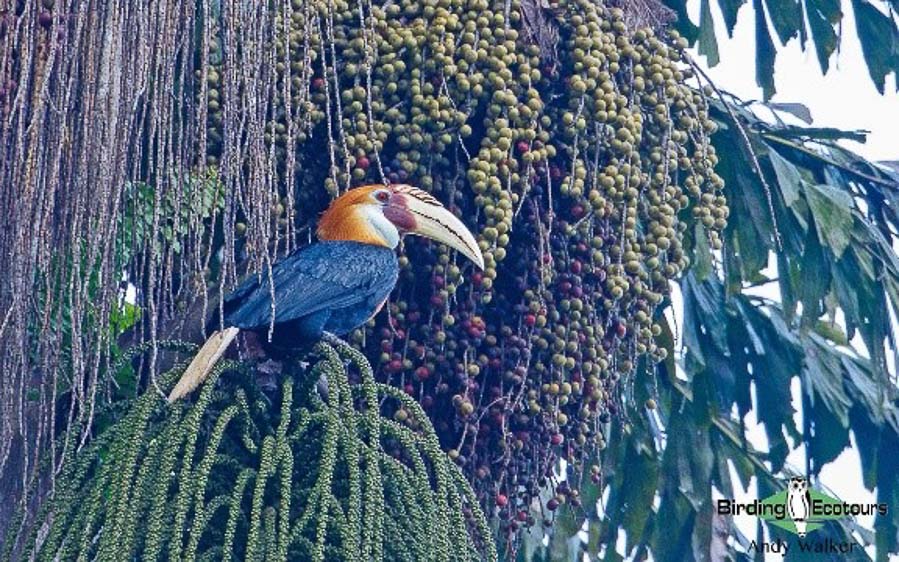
[(381, 215)]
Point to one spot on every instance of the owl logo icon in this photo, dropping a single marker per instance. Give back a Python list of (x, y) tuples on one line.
[(799, 503)]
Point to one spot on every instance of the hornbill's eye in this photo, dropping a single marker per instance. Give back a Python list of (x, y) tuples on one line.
[(382, 195)]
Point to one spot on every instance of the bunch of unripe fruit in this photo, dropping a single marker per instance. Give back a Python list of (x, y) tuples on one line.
[(584, 167)]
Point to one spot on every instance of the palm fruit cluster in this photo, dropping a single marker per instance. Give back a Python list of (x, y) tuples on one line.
[(576, 149), (239, 475)]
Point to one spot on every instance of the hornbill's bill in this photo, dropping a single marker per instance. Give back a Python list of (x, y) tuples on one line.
[(339, 283)]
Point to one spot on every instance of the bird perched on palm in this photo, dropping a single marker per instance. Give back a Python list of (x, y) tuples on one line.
[(339, 283)]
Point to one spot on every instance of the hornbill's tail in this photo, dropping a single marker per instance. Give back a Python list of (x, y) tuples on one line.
[(203, 362)]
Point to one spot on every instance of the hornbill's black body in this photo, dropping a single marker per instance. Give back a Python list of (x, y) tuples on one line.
[(330, 286)]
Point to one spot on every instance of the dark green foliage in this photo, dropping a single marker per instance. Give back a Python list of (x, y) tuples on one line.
[(877, 31), (834, 213), (239, 475)]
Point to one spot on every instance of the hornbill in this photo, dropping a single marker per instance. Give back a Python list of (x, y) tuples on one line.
[(339, 283)]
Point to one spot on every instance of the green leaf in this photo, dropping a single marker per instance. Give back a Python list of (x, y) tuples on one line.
[(746, 196), (730, 9), (798, 110), (822, 377), (702, 260), (773, 366), (849, 286), (590, 494), (819, 134), (708, 44), (684, 25), (685, 509), (749, 245), (813, 280), (822, 16), (640, 484), (786, 17), (788, 177), (562, 545), (568, 522), (863, 388), (531, 542), (788, 298), (880, 41), (832, 209), (764, 52), (887, 527), (738, 457), (665, 340), (830, 332), (704, 319), (594, 542), (828, 438)]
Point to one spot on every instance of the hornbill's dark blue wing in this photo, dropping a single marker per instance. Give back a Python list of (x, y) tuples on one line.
[(339, 278)]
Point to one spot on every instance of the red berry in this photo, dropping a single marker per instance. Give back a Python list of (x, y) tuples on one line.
[(501, 500), (552, 504), (422, 373), (557, 439), (318, 83), (522, 146), (577, 211), (530, 320), (363, 163), (621, 329)]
